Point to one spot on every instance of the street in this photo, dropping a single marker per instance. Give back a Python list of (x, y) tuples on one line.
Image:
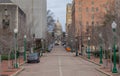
[(61, 63)]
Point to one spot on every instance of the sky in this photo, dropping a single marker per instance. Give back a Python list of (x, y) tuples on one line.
[(58, 7)]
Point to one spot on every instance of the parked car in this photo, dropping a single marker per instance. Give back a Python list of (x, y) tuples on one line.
[(33, 57), (50, 47)]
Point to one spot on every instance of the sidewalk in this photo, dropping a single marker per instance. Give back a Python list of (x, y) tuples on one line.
[(105, 67), (9, 71)]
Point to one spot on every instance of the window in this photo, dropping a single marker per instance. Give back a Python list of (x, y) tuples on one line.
[(80, 9), (80, 16), (69, 11), (97, 9), (6, 19), (92, 2), (87, 23), (80, 2), (92, 22), (69, 20), (92, 9), (87, 10), (92, 17)]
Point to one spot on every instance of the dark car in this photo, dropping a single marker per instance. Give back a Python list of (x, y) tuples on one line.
[(33, 57), (50, 47)]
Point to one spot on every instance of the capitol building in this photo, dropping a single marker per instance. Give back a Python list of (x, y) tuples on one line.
[(58, 28)]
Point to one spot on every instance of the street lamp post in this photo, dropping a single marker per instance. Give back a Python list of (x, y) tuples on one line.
[(114, 25), (0, 65), (66, 39), (101, 56), (42, 47), (76, 47), (15, 32), (71, 45), (88, 47), (25, 47)]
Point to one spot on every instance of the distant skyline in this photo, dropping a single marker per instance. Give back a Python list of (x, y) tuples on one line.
[(58, 7)]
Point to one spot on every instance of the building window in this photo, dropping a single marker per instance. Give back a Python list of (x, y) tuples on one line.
[(87, 9), (69, 10), (92, 9), (80, 2), (92, 22), (80, 9), (92, 2), (80, 16), (6, 19), (92, 17), (87, 23), (97, 9)]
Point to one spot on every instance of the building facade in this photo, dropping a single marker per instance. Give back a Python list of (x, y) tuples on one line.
[(58, 29), (36, 12), (12, 17), (117, 9), (86, 15), (68, 16)]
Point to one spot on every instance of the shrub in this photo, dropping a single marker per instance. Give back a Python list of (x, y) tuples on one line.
[(96, 53), (5, 57)]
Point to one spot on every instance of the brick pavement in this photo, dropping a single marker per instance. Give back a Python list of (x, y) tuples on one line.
[(8, 71)]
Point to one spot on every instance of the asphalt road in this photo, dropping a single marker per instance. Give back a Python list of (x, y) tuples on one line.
[(61, 63)]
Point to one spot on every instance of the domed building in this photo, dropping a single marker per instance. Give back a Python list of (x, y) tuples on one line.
[(58, 28), (58, 32)]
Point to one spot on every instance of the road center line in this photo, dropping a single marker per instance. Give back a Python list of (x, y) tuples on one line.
[(60, 67)]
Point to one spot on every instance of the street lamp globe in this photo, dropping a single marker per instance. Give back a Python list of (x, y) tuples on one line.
[(114, 25), (6, 12), (100, 35), (25, 36), (76, 40), (88, 38), (16, 30), (66, 35), (42, 40), (109, 48)]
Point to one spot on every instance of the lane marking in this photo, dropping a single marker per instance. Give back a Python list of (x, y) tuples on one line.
[(60, 67)]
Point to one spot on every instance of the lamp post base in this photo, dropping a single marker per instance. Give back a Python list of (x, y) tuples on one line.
[(16, 65), (76, 53), (88, 57), (114, 70), (101, 62)]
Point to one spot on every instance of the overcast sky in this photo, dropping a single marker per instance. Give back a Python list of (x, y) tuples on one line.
[(58, 7)]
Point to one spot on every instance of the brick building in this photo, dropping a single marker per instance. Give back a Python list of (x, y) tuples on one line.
[(68, 16), (86, 14), (117, 8)]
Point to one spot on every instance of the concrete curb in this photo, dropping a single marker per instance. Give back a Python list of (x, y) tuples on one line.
[(108, 74), (16, 73), (22, 63), (91, 61)]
